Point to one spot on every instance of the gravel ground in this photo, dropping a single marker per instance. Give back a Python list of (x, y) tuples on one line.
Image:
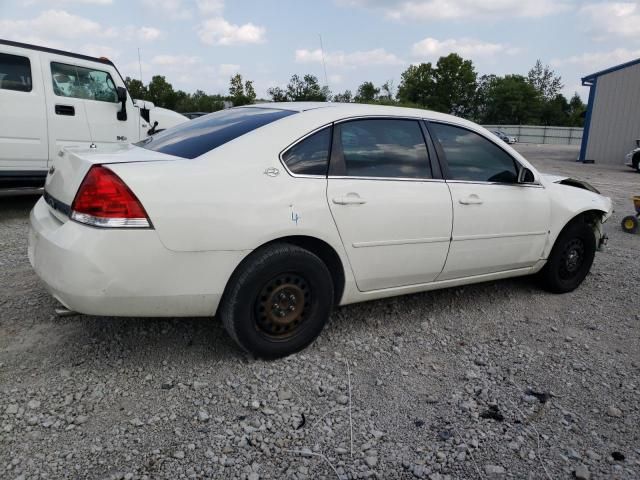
[(498, 380)]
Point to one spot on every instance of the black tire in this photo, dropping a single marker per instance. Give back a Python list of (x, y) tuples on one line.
[(570, 259), (636, 162), (277, 301), (630, 224)]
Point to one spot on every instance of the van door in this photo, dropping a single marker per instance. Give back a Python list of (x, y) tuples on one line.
[(23, 135), (103, 107), (66, 113)]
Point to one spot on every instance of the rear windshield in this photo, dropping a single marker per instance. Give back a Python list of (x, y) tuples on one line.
[(201, 135)]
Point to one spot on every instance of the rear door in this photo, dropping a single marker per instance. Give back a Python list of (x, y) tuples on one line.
[(66, 114), (499, 224), (393, 213), (23, 131)]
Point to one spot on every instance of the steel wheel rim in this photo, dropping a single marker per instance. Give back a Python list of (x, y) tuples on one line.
[(283, 306), (628, 224), (572, 259)]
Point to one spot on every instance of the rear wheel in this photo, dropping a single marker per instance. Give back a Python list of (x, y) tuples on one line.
[(278, 301), (636, 162), (570, 259), (630, 224)]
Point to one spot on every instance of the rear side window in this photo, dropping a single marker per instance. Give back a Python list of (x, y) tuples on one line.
[(311, 155), (384, 148), (15, 73), (85, 83), (472, 157), (201, 135)]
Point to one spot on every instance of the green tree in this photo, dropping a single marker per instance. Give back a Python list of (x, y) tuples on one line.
[(241, 93), (161, 92), (576, 111), (387, 92), (367, 93), (555, 111), (417, 85), (136, 88), (277, 94), (545, 81), (455, 86), (306, 88), (510, 100), (346, 97)]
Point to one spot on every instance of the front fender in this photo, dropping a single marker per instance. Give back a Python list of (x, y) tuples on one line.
[(568, 202)]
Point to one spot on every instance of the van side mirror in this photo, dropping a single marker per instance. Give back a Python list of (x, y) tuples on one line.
[(526, 176), (638, 143), (122, 98)]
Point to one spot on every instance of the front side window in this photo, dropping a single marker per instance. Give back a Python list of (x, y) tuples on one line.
[(201, 135), (85, 83), (15, 73), (386, 148), (311, 155), (472, 157)]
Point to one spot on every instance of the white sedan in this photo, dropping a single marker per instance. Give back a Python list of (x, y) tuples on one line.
[(269, 215)]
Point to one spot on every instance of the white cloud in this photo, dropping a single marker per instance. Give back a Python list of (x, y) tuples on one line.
[(460, 9), (613, 19), (591, 62), (67, 2), (335, 79), (210, 7), (378, 56), (54, 25), (177, 62), (229, 69), (465, 47), (173, 9), (94, 50), (148, 34), (218, 31)]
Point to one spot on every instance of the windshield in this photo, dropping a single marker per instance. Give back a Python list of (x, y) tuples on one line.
[(201, 135)]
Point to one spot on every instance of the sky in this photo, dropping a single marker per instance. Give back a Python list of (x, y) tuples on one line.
[(199, 44)]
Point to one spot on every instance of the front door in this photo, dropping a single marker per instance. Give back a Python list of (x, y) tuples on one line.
[(393, 217), (499, 224), (66, 114)]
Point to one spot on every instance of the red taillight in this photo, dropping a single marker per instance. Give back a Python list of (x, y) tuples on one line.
[(104, 200)]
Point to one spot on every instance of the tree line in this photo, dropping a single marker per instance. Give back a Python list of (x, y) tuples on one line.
[(451, 86)]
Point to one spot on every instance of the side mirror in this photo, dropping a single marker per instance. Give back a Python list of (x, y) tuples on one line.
[(526, 176), (638, 143), (122, 98)]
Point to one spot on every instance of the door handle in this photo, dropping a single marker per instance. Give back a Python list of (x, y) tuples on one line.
[(349, 199), (67, 110), (472, 199)]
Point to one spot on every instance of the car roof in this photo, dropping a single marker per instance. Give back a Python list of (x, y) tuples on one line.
[(345, 110)]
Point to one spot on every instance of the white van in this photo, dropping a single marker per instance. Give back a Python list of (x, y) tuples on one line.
[(51, 99)]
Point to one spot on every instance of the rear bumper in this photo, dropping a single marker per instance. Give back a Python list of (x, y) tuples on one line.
[(124, 272)]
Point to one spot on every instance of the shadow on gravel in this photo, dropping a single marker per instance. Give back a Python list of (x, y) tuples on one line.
[(19, 206), (138, 342)]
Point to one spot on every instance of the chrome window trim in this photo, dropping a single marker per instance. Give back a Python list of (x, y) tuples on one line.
[(387, 179), (477, 182), (336, 122)]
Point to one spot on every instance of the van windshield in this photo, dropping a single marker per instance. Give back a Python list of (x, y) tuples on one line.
[(201, 135)]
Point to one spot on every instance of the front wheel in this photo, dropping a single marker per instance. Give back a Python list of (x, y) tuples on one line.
[(570, 259), (278, 301)]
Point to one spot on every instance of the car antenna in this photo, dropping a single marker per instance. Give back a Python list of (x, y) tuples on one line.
[(140, 66), (324, 65)]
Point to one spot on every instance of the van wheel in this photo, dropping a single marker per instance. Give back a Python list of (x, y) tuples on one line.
[(278, 301), (570, 259)]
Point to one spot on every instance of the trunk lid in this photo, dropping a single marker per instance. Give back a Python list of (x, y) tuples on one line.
[(69, 169)]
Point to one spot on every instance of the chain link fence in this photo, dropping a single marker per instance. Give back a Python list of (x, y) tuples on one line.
[(541, 134)]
